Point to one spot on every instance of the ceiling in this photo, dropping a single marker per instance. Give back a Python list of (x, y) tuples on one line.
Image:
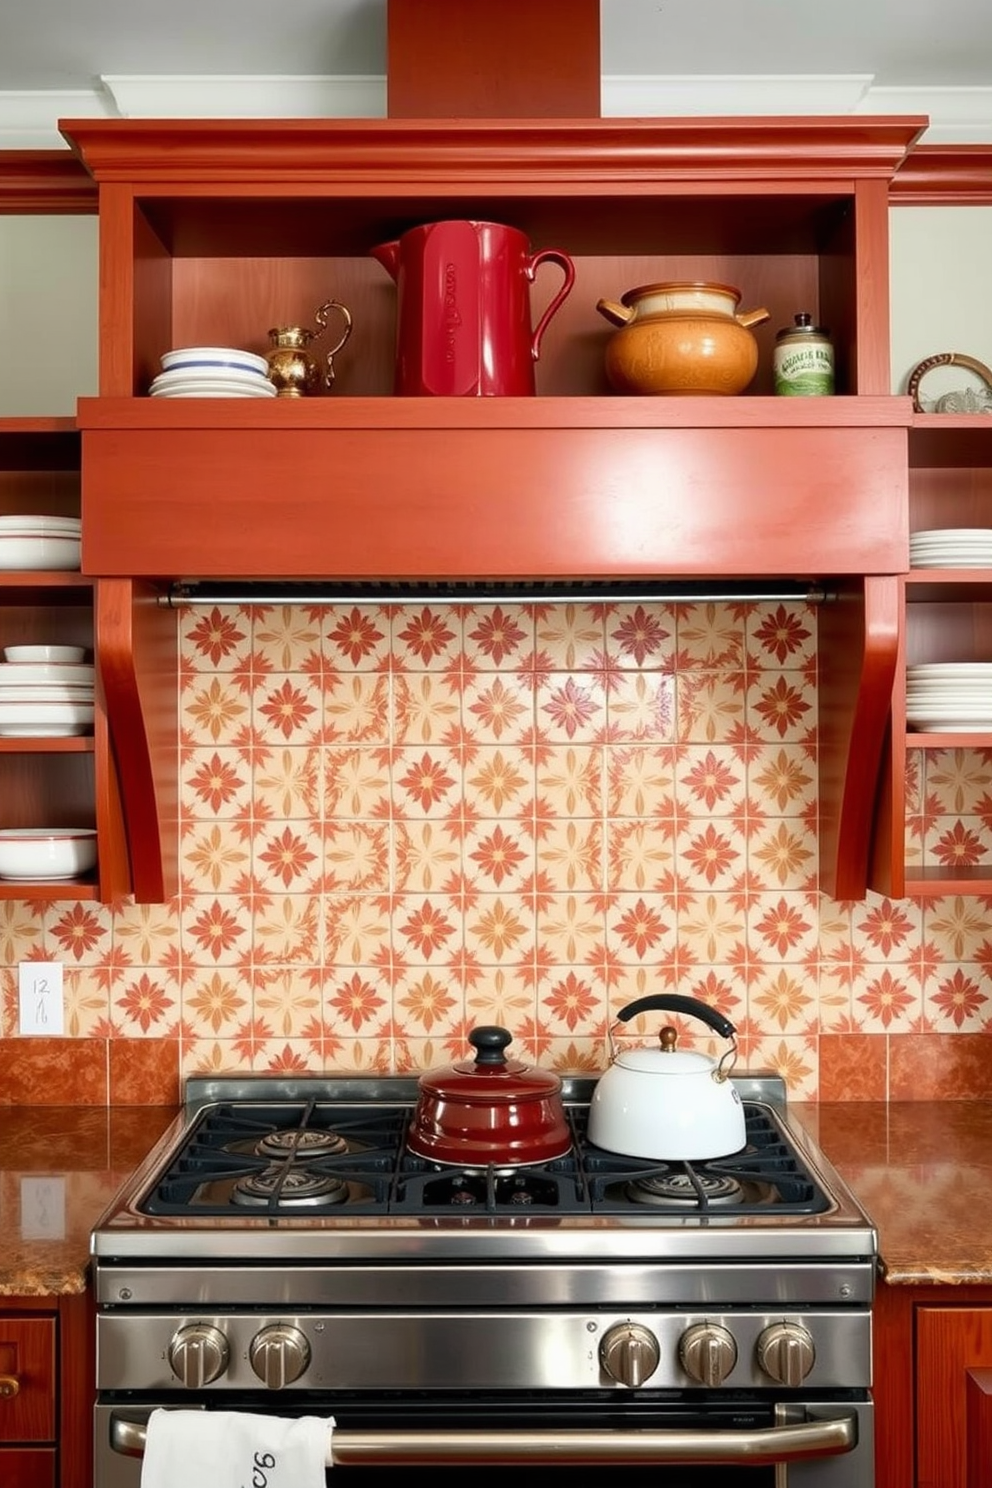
[(110, 57)]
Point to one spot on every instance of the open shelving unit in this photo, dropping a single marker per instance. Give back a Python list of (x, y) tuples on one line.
[(945, 614)]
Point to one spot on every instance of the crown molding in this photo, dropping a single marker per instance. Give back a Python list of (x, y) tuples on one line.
[(958, 116), (42, 182), (279, 96), (944, 175), (675, 96), (29, 120)]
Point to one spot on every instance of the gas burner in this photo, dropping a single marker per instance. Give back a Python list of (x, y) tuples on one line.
[(469, 1188), (306, 1143), (696, 1191), (291, 1188)]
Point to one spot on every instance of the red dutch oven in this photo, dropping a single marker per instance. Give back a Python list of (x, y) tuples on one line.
[(489, 1111)]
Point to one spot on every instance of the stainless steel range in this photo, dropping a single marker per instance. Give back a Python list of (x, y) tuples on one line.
[(282, 1251)]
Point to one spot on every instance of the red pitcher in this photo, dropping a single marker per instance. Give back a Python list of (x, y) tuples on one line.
[(463, 326)]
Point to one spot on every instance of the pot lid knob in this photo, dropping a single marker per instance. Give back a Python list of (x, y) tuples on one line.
[(668, 1037), (489, 1043)]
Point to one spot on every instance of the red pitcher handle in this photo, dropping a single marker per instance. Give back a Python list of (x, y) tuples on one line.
[(561, 258)]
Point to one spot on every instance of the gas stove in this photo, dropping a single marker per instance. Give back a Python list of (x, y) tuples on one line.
[(321, 1168), (282, 1249)]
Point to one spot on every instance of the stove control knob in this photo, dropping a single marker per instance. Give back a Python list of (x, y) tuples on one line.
[(786, 1354), (198, 1354), (707, 1353), (629, 1354), (279, 1355)]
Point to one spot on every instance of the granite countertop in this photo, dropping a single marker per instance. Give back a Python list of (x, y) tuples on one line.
[(60, 1167), (923, 1171)]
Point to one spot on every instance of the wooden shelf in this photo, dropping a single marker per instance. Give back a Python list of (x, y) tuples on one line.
[(72, 744), (973, 739), (71, 779), (945, 585), (15, 584), (390, 414), (39, 443), (923, 883), (950, 440), (54, 889), (494, 488)]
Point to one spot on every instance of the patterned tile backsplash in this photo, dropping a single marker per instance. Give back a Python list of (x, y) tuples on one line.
[(399, 823)]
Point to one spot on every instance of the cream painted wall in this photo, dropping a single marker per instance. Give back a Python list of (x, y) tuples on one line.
[(941, 291), (48, 313)]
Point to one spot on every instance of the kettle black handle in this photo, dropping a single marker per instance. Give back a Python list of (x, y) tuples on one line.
[(673, 1002)]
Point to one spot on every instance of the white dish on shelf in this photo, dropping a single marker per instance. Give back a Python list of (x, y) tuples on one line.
[(37, 698), (949, 534), (216, 388), (34, 854), (44, 655), (955, 555), (964, 707), (183, 375), (39, 523), (20, 554), (979, 714), (950, 550), (41, 719), (182, 357), (35, 674), (960, 669), (925, 725)]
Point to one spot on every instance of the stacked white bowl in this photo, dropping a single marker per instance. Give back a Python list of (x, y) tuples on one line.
[(38, 542), (43, 699), (951, 697), (212, 372)]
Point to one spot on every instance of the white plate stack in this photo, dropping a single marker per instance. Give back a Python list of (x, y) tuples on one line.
[(950, 697), (45, 700), (951, 547), (34, 542), (212, 372)]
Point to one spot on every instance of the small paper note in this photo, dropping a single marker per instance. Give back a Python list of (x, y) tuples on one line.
[(40, 991)]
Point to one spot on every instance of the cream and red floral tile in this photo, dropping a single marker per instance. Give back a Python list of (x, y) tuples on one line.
[(401, 822)]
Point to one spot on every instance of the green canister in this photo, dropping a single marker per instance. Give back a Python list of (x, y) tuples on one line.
[(804, 359)]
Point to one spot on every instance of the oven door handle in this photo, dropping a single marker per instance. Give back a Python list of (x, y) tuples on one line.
[(766, 1446)]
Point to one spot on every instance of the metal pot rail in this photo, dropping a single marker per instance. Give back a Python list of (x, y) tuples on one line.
[(765, 1446)]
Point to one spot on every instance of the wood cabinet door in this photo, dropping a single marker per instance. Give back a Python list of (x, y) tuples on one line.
[(34, 1468), (950, 1341), (27, 1359)]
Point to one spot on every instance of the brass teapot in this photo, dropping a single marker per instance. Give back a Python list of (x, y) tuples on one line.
[(292, 369)]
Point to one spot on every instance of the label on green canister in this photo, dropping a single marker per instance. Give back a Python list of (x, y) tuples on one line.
[(803, 361)]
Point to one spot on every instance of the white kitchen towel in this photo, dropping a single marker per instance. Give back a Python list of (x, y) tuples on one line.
[(234, 1449)]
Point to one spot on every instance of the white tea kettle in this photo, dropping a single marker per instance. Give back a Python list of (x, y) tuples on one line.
[(666, 1104)]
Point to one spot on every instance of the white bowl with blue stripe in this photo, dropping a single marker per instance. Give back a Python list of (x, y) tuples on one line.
[(212, 358)]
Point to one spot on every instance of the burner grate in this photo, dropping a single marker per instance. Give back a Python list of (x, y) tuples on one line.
[(352, 1159), (768, 1173)]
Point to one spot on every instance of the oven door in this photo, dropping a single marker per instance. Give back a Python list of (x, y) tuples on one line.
[(678, 1441)]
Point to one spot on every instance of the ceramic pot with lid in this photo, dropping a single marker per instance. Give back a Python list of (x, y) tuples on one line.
[(489, 1111), (667, 1104), (680, 339)]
